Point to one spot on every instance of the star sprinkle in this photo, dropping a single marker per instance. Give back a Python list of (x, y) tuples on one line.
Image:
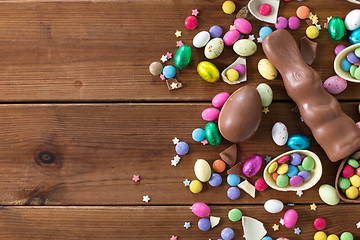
[(174, 85), (175, 140), (326, 25), (177, 158), (187, 225), (313, 207), (267, 159), (163, 58), (311, 15), (173, 237), (178, 33), (179, 43), (146, 198), (299, 193), (186, 182), (314, 19), (275, 227), (195, 12), (301, 119), (232, 27), (136, 178), (162, 77), (204, 142), (174, 163), (251, 37), (329, 18), (168, 55), (318, 26), (358, 225), (259, 40), (282, 221), (297, 231), (265, 110)]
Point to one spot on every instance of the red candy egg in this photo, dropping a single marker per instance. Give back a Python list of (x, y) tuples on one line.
[(261, 185), (283, 159), (265, 9), (191, 22), (319, 224), (348, 171)]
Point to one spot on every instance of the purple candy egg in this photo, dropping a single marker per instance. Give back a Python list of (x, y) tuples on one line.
[(295, 159), (233, 193), (296, 181), (281, 23), (352, 58), (339, 48), (335, 85), (305, 175), (252, 165), (294, 22), (215, 180), (240, 69), (227, 234), (215, 31), (182, 148), (204, 224)]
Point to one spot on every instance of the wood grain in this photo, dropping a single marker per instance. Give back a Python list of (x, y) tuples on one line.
[(96, 148), (157, 222), (83, 51)]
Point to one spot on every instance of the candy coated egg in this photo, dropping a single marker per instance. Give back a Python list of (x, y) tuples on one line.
[(155, 68), (204, 224), (294, 23), (357, 53), (295, 159), (266, 238), (242, 25), (282, 180), (281, 23), (234, 215), (272, 167), (215, 180), (227, 234), (231, 37), (260, 185), (169, 71), (219, 166), (244, 47), (266, 94), (196, 186), (240, 69), (298, 142), (355, 180), (198, 135), (282, 169), (357, 171), (202, 170), (267, 69), (264, 31), (208, 71), (352, 70), (232, 75), (312, 32), (296, 181), (290, 218), (228, 7), (283, 159), (233, 180), (233, 193), (339, 48), (200, 209), (353, 163), (332, 237), (274, 175), (292, 171), (191, 22), (219, 99), (215, 31), (320, 236), (212, 134), (328, 194), (345, 64), (183, 56), (352, 20), (279, 134), (347, 235), (305, 175), (302, 12), (182, 148), (354, 37), (273, 206), (210, 114), (319, 224), (308, 163), (335, 85), (214, 48), (252, 165), (352, 58), (264, 9), (201, 39), (348, 171), (357, 73), (300, 168), (336, 28)]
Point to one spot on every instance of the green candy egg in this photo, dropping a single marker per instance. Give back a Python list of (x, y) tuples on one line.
[(212, 134), (308, 163), (183, 56), (235, 215), (352, 70), (301, 168), (344, 183), (282, 180), (346, 236), (357, 73), (353, 163), (336, 29), (357, 52)]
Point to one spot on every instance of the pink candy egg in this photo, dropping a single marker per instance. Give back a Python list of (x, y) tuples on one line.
[(200, 209), (242, 25), (281, 23), (290, 218), (283, 159), (296, 181), (265, 9), (282, 238), (191, 22), (319, 224), (220, 98), (252, 165), (294, 22), (231, 37), (260, 185), (348, 171), (338, 49), (335, 85), (210, 114)]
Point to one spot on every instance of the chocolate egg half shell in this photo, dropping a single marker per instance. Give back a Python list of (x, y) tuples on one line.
[(241, 114)]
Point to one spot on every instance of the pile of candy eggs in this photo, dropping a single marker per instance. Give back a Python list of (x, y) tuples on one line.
[(349, 182), (351, 63)]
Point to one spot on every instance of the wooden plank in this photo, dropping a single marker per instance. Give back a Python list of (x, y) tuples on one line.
[(100, 51), (97, 148), (160, 222)]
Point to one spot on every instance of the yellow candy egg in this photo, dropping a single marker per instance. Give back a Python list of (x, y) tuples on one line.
[(283, 169), (320, 235), (332, 237), (228, 7), (208, 71), (272, 167), (196, 186), (355, 180), (232, 75), (267, 69), (312, 32), (352, 192)]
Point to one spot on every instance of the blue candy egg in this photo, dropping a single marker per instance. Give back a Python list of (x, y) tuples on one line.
[(227, 234), (182, 148), (266, 238), (215, 31), (204, 224), (292, 171), (169, 71), (295, 159), (355, 36), (345, 64), (198, 135), (215, 180), (264, 31), (305, 175), (299, 142), (233, 180), (233, 193)]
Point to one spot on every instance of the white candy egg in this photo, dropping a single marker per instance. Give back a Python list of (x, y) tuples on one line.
[(273, 206), (201, 39)]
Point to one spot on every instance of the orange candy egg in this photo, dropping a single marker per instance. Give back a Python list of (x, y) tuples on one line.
[(357, 171), (303, 12), (219, 166), (274, 175)]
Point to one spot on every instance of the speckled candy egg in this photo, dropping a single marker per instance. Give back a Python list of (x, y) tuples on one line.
[(290, 218), (267, 69), (352, 20), (214, 48), (200, 209), (210, 114), (231, 37), (279, 134), (202, 170), (335, 85), (328, 194), (266, 94), (273, 206), (220, 98), (245, 47), (201, 39)]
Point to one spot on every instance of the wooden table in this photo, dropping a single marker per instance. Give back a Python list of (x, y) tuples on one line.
[(81, 114)]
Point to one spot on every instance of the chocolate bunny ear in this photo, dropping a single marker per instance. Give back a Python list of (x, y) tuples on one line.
[(335, 131)]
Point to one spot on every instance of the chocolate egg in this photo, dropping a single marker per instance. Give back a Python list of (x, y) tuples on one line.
[(252, 165), (241, 114)]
